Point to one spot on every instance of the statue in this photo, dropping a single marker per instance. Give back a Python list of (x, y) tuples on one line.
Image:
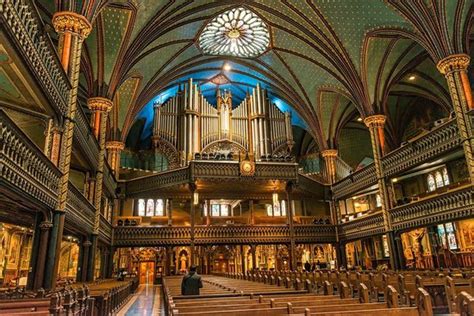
[(183, 263)]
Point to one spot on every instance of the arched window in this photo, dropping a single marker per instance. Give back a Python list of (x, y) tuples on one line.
[(378, 200), (445, 176), (276, 209), (269, 210), (150, 207), (159, 208), (204, 209), (224, 210), (215, 208), (283, 208), (431, 183), (141, 207), (439, 179)]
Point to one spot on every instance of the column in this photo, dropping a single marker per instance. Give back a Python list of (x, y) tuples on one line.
[(208, 214), (85, 259), (72, 30), (400, 253), (251, 210), (110, 263), (113, 155), (192, 190), (100, 108), (376, 123), (454, 68), (242, 257), (253, 251), (169, 211), (54, 144), (330, 156), (289, 191), (341, 254)]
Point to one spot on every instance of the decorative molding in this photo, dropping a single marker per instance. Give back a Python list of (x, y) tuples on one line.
[(457, 62), (67, 21)]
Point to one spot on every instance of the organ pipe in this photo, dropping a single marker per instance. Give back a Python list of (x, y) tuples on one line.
[(190, 124)]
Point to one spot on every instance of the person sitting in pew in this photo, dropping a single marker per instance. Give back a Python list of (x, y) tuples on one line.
[(191, 282)]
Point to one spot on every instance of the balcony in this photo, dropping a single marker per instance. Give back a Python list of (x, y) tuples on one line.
[(210, 235), (365, 226), (440, 140), (24, 168), (455, 204), (80, 213), (84, 138), (24, 27)]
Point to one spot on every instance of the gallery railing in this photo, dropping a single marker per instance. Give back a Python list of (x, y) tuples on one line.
[(365, 226), (84, 138), (207, 235), (25, 29), (440, 140), (23, 166), (80, 212), (454, 204)]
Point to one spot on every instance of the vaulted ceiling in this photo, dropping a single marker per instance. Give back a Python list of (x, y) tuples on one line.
[(331, 61)]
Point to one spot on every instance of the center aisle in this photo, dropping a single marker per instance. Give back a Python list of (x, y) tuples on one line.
[(147, 301)]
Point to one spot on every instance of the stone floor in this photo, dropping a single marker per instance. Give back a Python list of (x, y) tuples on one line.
[(146, 301)]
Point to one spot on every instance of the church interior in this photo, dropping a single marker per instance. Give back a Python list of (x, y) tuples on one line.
[(306, 157)]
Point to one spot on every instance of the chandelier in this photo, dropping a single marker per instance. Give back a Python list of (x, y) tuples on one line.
[(238, 32)]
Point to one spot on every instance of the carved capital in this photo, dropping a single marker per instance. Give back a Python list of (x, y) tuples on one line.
[(99, 104), (45, 225), (457, 62), (87, 243), (329, 153), (114, 145), (377, 120), (67, 21)]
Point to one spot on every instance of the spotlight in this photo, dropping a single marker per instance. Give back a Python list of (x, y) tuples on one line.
[(359, 119), (412, 77), (227, 67)]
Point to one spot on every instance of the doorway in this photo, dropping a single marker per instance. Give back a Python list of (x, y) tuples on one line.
[(147, 272)]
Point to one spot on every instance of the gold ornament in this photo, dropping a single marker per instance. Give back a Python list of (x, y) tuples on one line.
[(247, 168), (375, 120), (99, 104), (67, 21), (457, 62)]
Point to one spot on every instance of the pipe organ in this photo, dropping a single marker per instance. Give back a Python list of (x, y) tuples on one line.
[(187, 124)]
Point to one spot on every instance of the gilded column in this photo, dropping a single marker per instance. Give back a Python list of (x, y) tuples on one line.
[(454, 68), (100, 108), (113, 155), (72, 30), (289, 191), (376, 124)]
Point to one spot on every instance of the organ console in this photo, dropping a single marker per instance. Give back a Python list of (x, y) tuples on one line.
[(187, 124)]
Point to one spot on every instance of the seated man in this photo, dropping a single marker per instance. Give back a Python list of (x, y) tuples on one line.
[(191, 283)]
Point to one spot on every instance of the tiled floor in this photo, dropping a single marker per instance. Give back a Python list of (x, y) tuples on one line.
[(146, 301)]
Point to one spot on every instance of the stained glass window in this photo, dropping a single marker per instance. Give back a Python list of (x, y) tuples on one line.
[(215, 209), (224, 210), (445, 176), (439, 179), (269, 210), (378, 200), (141, 207), (150, 207), (431, 183), (159, 208), (237, 32), (283, 208)]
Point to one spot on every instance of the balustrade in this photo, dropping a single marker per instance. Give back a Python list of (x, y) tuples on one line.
[(26, 31), (80, 212), (440, 140), (24, 167), (453, 205), (85, 139), (365, 226)]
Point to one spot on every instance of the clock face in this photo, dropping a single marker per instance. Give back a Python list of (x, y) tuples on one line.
[(247, 167)]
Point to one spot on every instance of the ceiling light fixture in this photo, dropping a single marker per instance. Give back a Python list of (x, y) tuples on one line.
[(412, 77), (237, 32), (227, 67), (359, 119)]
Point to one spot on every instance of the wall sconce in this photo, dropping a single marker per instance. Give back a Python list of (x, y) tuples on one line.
[(196, 198)]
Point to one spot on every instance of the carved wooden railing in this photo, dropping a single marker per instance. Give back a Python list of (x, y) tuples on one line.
[(452, 205), (216, 170), (25, 29), (84, 138), (441, 139), (23, 166), (80, 212), (361, 227), (244, 234), (105, 230)]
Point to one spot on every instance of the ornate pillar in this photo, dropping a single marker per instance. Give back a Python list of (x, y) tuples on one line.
[(85, 259), (253, 250), (376, 123), (208, 214), (72, 30), (242, 257), (53, 149), (100, 108), (454, 68), (289, 191), (329, 156), (169, 211), (400, 253), (192, 190), (113, 155)]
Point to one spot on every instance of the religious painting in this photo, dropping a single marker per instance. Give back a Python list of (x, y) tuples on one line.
[(13, 257)]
